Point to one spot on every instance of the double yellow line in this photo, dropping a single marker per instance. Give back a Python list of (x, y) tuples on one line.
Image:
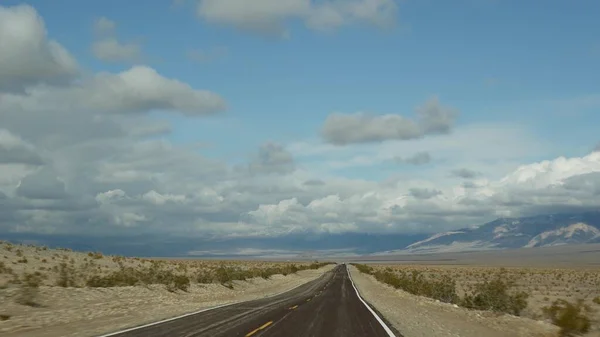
[(258, 329)]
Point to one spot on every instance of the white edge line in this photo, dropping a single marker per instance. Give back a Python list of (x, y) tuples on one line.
[(197, 312), (385, 327)]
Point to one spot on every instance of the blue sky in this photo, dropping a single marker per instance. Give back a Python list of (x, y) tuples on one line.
[(522, 77), (494, 60)]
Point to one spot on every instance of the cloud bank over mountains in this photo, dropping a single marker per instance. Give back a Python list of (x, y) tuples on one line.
[(83, 153)]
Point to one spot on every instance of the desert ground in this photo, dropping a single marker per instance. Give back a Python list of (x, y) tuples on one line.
[(543, 276), (58, 292), (569, 256)]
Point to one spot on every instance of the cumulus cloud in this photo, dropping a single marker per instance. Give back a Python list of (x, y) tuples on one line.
[(108, 48), (136, 90), (84, 158), (272, 158), (13, 150), (269, 17), (104, 25), (419, 158), (42, 184), (314, 182), (465, 173), (432, 118), (112, 50), (27, 56), (424, 193), (550, 186)]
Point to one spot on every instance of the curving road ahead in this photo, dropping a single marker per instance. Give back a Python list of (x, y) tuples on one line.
[(326, 307)]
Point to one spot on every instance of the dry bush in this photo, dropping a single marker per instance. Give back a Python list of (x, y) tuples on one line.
[(572, 318), (66, 276), (29, 289), (4, 269), (92, 269), (416, 283), (496, 295)]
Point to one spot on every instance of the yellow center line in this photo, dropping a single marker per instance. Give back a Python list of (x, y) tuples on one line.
[(294, 307), (258, 329)]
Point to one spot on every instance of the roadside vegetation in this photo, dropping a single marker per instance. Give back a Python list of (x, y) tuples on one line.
[(503, 291), (26, 268)]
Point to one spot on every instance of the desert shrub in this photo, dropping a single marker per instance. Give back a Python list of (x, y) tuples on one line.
[(572, 318), (596, 300), (496, 295), (4, 269), (181, 282), (289, 269), (416, 283), (363, 268), (66, 276), (225, 275), (29, 289), (204, 277), (95, 255), (4, 317), (123, 277)]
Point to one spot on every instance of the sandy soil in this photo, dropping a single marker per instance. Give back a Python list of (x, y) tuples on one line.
[(415, 316), (84, 311), (544, 285)]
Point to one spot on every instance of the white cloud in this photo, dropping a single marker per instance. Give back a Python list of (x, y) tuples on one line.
[(531, 188), (270, 16), (13, 150), (344, 129), (103, 25), (107, 46), (27, 56), (83, 156), (136, 90), (111, 50)]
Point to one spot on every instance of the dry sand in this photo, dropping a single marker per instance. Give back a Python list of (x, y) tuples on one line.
[(415, 316)]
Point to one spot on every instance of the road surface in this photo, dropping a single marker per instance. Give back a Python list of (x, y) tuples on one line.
[(326, 307)]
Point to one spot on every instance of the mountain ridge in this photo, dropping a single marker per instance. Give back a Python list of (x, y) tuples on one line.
[(509, 233)]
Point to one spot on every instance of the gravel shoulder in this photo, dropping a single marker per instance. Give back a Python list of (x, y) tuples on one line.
[(94, 311), (415, 316)]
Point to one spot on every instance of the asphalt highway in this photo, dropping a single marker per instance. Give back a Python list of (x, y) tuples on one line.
[(326, 307)]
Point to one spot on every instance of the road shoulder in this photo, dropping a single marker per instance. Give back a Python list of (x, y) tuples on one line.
[(415, 316)]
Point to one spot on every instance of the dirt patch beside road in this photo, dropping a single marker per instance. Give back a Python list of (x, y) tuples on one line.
[(415, 316)]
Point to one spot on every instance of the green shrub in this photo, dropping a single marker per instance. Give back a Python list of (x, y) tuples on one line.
[(495, 295), (570, 317)]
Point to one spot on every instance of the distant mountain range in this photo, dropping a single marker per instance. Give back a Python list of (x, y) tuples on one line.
[(507, 233)]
